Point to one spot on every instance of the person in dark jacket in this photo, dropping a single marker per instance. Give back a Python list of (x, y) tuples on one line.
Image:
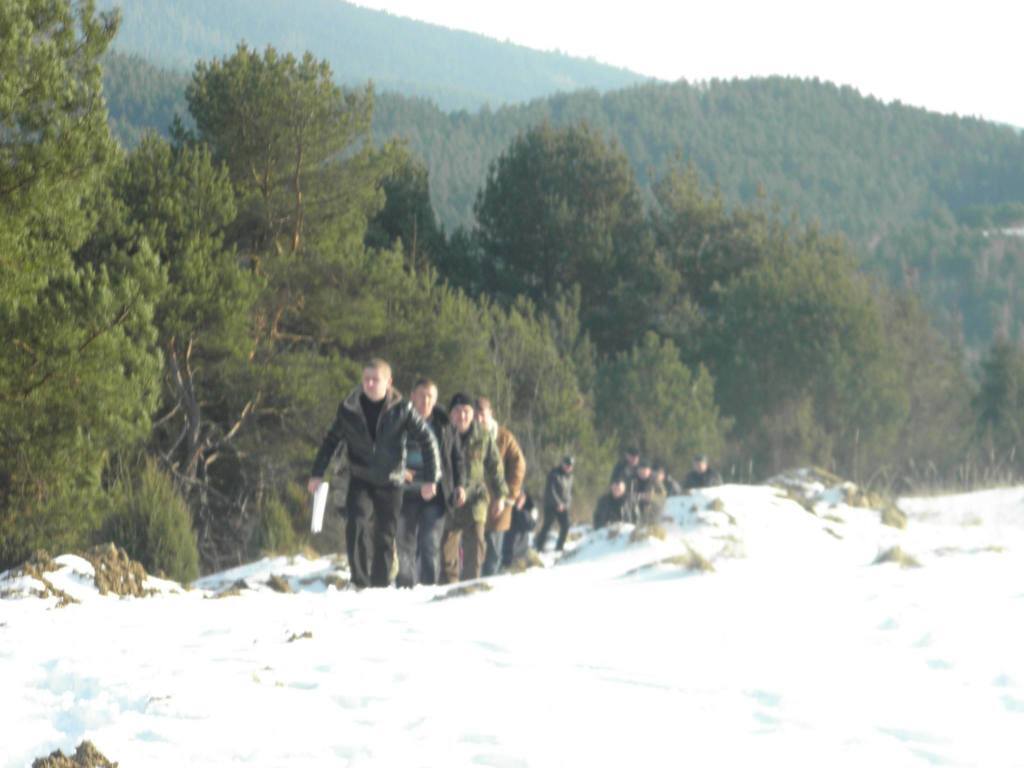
[(646, 493), (612, 507), (672, 486), (421, 521), (557, 504), (516, 544), (373, 422), (625, 469), (702, 475)]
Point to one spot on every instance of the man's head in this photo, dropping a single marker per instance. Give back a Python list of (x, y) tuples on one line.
[(632, 456), (659, 472), (568, 462), (424, 397), (484, 412), (618, 488), (460, 411), (700, 462), (376, 379), (643, 469)]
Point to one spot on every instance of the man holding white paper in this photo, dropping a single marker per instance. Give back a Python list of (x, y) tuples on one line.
[(373, 422)]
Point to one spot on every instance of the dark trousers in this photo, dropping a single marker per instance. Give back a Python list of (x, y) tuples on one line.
[(550, 516), (462, 550), (420, 524), (492, 555), (515, 547), (370, 531), (428, 550)]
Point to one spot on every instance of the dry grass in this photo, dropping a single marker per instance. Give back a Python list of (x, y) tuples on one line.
[(691, 561), (86, 756), (463, 591), (117, 573), (37, 567), (898, 556), (893, 516), (647, 532), (279, 584), (233, 591)]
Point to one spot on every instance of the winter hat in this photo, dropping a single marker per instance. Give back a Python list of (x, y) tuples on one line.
[(460, 398), (568, 461)]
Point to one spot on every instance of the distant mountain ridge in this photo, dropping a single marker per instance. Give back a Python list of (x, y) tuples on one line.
[(454, 69)]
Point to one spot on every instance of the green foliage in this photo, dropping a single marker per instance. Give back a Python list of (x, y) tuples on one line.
[(648, 398), (294, 144), (970, 277), (275, 533), (141, 97), (56, 144), (802, 360), (151, 521), (999, 404), (407, 215), (560, 208), (79, 366)]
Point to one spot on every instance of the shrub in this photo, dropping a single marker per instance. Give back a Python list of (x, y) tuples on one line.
[(275, 534), (898, 556), (152, 522)]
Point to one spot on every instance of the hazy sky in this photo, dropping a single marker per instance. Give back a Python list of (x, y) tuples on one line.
[(963, 57)]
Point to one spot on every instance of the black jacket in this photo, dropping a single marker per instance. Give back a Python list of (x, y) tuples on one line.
[(558, 490), (525, 519), (379, 461), (453, 467), (611, 510), (625, 472), (704, 479)]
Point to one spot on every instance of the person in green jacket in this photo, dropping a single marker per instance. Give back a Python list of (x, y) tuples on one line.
[(484, 479)]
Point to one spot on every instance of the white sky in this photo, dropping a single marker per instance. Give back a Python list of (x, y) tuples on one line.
[(963, 57)]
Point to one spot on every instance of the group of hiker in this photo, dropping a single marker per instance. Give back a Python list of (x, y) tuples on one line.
[(437, 495), (638, 488)]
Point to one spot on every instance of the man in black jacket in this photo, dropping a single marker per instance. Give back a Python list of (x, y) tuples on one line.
[(515, 547), (557, 503), (702, 475), (373, 422), (612, 507), (421, 521)]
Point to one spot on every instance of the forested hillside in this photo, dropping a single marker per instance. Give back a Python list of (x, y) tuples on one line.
[(182, 316), (457, 70), (824, 151)]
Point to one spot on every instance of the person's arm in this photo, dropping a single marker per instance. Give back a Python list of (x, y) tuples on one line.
[(458, 469), (323, 456), (558, 490), (424, 435), (494, 471), (516, 463)]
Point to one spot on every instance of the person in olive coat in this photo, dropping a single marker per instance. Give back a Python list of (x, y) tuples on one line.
[(484, 481), (374, 422)]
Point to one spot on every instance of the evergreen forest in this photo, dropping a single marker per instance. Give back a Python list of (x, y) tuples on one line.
[(183, 308)]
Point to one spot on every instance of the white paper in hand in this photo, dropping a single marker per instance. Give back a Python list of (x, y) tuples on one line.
[(319, 505)]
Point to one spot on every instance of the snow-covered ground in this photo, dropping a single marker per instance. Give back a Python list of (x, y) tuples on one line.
[(796, 650)]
